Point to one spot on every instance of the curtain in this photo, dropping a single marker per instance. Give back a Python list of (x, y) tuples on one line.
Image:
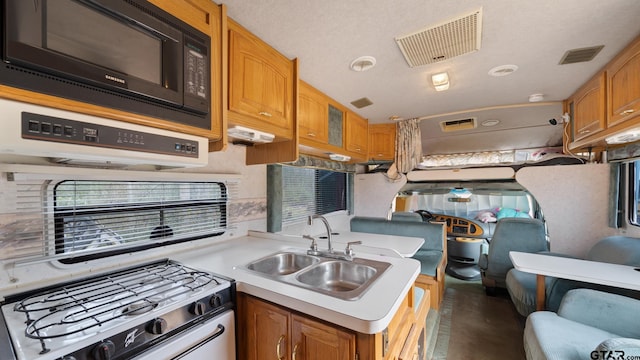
[(408, 147)]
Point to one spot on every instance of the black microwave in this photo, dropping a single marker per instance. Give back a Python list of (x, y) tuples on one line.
[(123, 54)]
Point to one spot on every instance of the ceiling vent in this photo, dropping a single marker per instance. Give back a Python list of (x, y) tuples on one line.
[(580, 55), (457, 125), (362, 102), (456, 37)]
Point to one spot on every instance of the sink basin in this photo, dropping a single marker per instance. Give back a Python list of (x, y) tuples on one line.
[(337, 276), (282, 263), (344, 279)]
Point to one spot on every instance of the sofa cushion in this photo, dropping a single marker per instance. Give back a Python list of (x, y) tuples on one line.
[(433, 234), (429, 261), (549, 336), (522, 290), (630, 347), (610, 312), (616, 250)]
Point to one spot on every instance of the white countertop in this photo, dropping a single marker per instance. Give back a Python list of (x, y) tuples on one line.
[(371, 243), (370, 314), (596, 272)]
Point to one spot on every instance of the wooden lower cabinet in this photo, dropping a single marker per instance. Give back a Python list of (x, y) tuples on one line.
[(270, 331), (313, 340)]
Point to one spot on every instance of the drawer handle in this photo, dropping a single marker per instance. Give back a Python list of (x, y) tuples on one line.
[(278, 348), (295, 349), (627, 112), (584, 131), (264, 113)]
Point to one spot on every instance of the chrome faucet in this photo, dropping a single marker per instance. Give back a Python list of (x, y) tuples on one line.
[(326, 224)]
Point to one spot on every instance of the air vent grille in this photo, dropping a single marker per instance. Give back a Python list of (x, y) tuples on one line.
[(459, 124), (580, 55), (456, 37), (362, 102)]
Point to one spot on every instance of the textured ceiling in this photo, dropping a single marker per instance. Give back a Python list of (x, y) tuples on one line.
[(326, 36)]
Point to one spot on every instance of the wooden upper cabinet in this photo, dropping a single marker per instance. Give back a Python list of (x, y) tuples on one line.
[(261, 85), (312, 340), (356, 134), (382, 141), (589, 106), (313, 114), (623, 85)]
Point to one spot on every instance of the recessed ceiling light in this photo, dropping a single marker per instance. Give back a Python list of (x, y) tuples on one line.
[(363, 63), (490, 122), (503, 70)]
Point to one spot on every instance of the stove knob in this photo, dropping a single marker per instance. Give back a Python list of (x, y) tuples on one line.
[(198, 308), (215, 301), (157, 326), (104, 350)]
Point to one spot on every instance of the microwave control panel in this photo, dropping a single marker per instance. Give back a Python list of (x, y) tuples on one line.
[(48, 128)]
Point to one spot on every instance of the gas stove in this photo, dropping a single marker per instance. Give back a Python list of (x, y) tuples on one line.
[(115, 315)]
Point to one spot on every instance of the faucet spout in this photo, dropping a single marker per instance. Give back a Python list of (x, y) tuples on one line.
[(326, 224)]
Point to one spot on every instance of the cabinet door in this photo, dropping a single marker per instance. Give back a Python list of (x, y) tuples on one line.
[(382, 141), (313, 114), (266, 331), (313, 340), (589, 108), (357, 134), (260, 84), (623, 82)]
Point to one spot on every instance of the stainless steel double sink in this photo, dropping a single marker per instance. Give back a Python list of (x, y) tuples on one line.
[(344, 279)]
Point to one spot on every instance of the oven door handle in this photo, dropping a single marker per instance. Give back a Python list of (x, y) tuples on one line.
[(219, 331)]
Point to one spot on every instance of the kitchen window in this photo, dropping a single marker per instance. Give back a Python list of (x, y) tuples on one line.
[(295, 192), (116, 215)]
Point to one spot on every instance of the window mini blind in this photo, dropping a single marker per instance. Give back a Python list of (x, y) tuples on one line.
[(307, 191), (82, 212)]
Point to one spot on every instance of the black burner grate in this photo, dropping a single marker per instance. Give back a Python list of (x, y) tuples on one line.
[(80, 307)]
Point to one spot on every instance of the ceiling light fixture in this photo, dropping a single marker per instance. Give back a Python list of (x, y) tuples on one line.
[(624, 137), (536, 97), (363, 63), (490, 122), (503, 70), (440, 81)]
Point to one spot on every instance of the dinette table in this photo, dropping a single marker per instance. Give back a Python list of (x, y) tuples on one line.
[(622, 276)]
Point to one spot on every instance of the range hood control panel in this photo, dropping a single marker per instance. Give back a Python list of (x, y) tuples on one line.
[(49, 128)]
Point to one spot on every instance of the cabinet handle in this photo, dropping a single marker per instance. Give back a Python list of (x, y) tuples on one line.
[(264, 113), (295, 349), (311, 134), (584, 132), (627, 112), (278, 345)]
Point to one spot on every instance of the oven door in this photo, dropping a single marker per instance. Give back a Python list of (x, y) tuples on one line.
[(213, 338)]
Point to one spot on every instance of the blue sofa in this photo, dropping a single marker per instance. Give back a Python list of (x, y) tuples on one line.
[(432, 255), (613, 249), (589, 324)]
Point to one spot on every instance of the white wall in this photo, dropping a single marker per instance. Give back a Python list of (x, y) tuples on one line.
[(374, 194)]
